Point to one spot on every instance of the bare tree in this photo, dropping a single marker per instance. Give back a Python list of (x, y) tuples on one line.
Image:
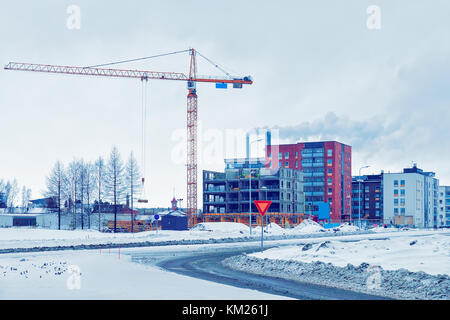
[(55, 186), (11, 192), (73, 173), (132, 182), (2, 194), (90, 185), (82, 188), (26, 196), (100, 177), (114, 180)]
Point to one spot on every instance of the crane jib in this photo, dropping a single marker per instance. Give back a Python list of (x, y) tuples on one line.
[(121, 73)]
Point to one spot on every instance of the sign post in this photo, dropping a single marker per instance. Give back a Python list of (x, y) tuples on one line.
[(156, 217), (262, 206)]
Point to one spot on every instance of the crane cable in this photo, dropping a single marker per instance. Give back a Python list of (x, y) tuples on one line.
[(137, 59), (215, 65), (143, 134)]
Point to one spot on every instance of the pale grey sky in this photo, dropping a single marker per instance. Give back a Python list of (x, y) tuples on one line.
[(319, 73)]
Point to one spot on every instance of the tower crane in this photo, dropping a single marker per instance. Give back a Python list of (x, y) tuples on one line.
[(191, 79)]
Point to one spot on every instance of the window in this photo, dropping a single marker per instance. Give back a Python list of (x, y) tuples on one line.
[(280, 155), (395, 192), (395, 183), (330, 191), (402, 201), (280, 164), (329, 152), (270, 154), (395, 202), (296, 164), (329, 162), (330, 171), (402, 183), (286, 164), (296, 154), (402, 192), (402, 210), (330, 181), (286, 155), (395, 210)]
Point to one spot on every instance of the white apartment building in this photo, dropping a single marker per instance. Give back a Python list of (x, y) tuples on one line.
[(444, 207), (411, 193)]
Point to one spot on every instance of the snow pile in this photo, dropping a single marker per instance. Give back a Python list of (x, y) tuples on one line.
[(365, 278), (347, 228), (272, 228), (221, 227), (430, 254), (405, 266), (308, 226), (383, 229)]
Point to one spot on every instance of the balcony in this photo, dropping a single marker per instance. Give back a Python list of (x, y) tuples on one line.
[(215, 190), (318, 174), (318, 164)]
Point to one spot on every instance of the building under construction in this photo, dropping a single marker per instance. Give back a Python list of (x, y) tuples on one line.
[(227, 195)]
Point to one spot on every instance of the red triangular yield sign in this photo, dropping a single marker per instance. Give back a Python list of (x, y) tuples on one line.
[(262, 206)]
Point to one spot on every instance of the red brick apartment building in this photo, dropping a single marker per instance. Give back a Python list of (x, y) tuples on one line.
[(326, 167)]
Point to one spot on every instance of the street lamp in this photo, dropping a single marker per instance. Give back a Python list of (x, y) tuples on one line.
[(264, 188), (359, 188), (250, 184)]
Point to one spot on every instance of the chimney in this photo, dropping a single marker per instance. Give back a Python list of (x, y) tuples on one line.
[(268, 138), (247, 145)]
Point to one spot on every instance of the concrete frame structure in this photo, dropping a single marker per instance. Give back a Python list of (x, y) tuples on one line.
[(228, 192)]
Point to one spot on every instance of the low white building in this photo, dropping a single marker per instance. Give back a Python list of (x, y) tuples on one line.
[(412, 194), (444, 207)]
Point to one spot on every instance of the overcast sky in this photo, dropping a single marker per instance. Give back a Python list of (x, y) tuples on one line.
[(319, 73)]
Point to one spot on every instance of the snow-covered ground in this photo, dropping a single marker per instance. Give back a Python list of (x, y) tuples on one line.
[(36, 237), (430, 254), (12, 238), (102, 275), (405, 264)]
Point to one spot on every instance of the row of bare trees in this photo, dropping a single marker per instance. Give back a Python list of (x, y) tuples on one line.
[(9, 192), (80, 183)]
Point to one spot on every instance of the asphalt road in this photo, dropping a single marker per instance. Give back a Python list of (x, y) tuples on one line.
[(206, 265)]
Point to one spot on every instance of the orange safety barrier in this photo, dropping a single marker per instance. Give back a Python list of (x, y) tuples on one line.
[(125, 226), (282, 219)]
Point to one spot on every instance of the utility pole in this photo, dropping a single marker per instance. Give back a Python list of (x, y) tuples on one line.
[(250, 182), (359, 187)]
